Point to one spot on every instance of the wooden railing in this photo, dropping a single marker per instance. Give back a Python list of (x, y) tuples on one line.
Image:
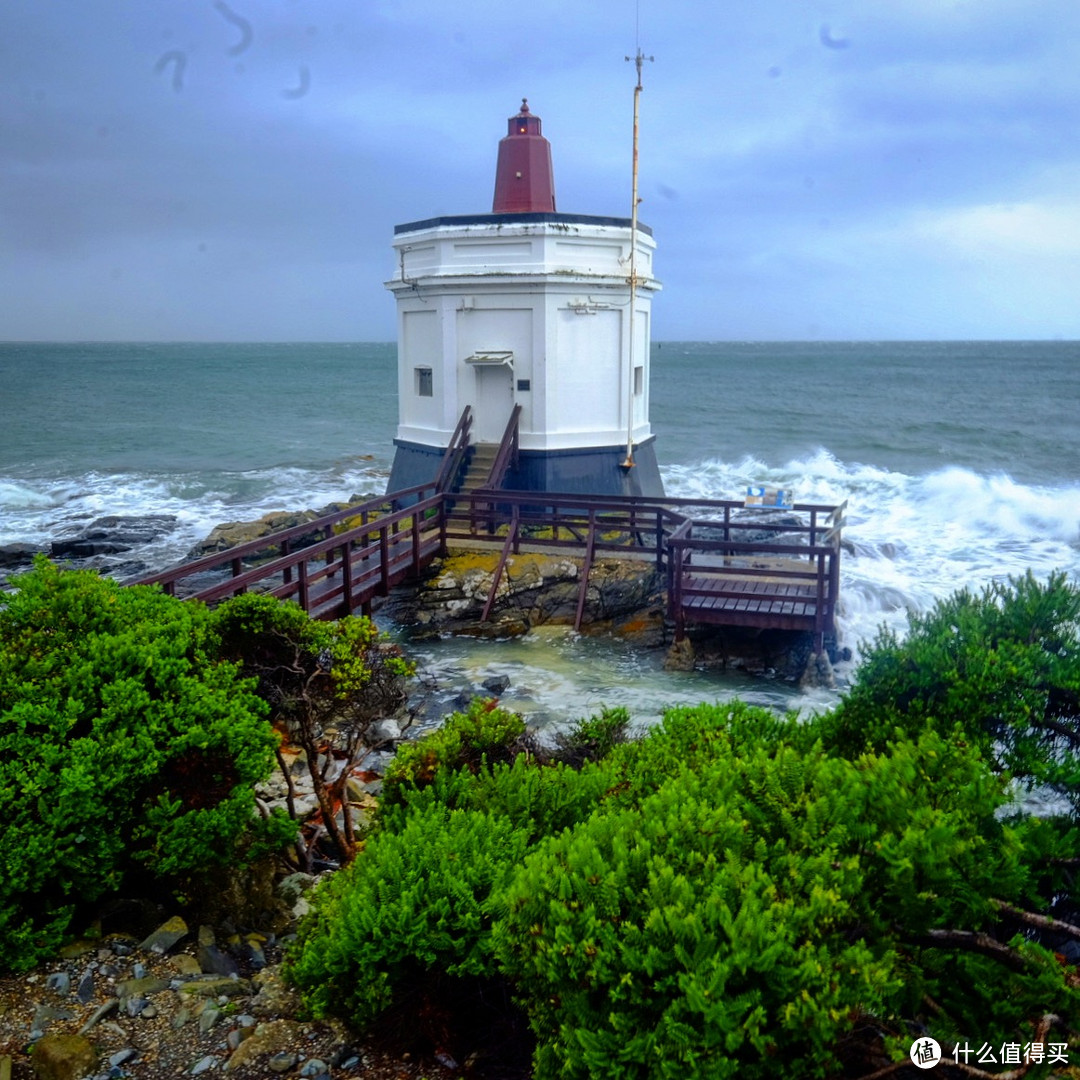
[(337, 574), (715, 560), (456, 450), (755, 573), (507, 455)]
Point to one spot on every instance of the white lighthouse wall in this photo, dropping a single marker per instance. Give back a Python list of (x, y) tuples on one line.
[(419, 350), (584, 378), (554, 295)]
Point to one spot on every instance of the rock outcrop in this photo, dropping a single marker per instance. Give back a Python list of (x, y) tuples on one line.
[(113, 535), (623, 597)]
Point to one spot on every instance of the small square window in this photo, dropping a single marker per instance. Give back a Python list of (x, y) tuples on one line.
[(424, 382), (524, 384)]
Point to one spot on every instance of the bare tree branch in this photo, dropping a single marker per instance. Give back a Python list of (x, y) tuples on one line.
[(1042, 922), (974, 941)]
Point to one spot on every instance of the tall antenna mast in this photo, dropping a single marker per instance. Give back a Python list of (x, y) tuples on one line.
[(639, 59)]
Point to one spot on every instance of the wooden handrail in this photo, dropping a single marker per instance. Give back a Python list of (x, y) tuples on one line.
[(510, 544), (235, 555), (508, 451), (455, 451)]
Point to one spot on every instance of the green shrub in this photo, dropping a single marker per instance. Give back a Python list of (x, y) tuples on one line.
[(1004, 664), (735, 894), (483, 734), (763, 900), (594, 737), (125, 745), (407, 913)]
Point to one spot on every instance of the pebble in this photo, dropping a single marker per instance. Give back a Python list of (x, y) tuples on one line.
[(313, 1068), (121, 1057), (59, 983), (283, 1062), (135, 1005), (203, 1065)]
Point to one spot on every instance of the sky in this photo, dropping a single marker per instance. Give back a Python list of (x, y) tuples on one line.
[(232, 170)]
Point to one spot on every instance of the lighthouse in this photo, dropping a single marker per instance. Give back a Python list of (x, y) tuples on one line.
[(527, 307)]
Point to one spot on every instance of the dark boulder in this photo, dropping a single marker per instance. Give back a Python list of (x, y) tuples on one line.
[(113, 535)]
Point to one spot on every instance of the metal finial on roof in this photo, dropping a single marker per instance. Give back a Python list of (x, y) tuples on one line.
[(524, 105)]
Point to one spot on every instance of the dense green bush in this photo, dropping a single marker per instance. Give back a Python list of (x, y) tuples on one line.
[(764, 900), (740, 893), (408, 913), (125, 745), (482, 735), (1005, 664), (726, 896)]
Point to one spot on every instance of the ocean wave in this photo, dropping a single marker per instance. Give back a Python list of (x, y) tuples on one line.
[(16, 496), (912, 540), (45, 511)]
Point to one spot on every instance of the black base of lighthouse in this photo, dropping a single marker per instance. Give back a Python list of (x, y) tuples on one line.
[(592, 470)]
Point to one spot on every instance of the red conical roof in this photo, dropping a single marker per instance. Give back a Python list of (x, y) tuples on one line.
[(524, 181)]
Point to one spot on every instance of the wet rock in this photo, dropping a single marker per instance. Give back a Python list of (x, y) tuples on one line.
[(215, 961), (274, 997), (59, 983), (113, 535), (387, 730), (209, 1017), (818, 673), (216, 987), (99, 1014), (143, 987), (13, 555), (534, 590), (63, 1057), (44, 1015), (165, 936), (184, 964), (232, 534), (204, 1064), (497, 684)]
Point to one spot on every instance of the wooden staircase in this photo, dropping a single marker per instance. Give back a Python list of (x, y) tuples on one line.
[(481, 459)]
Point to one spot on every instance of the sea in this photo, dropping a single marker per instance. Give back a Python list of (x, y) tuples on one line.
[(959, 462)]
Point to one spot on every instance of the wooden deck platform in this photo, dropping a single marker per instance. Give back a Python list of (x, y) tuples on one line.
[(728, 568), (749, 602)]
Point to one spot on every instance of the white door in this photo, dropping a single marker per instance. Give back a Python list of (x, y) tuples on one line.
[(494, 401)]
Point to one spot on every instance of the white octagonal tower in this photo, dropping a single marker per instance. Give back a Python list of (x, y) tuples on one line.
[(527, 306)]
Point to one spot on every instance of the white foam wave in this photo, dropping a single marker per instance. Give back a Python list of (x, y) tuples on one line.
[(911, 540), (15, 496), (45, 511)]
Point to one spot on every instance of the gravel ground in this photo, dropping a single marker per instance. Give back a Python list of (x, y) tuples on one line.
[(143, 1014)]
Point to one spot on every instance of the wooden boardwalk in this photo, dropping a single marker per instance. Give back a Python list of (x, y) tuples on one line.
[(721, 564)]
